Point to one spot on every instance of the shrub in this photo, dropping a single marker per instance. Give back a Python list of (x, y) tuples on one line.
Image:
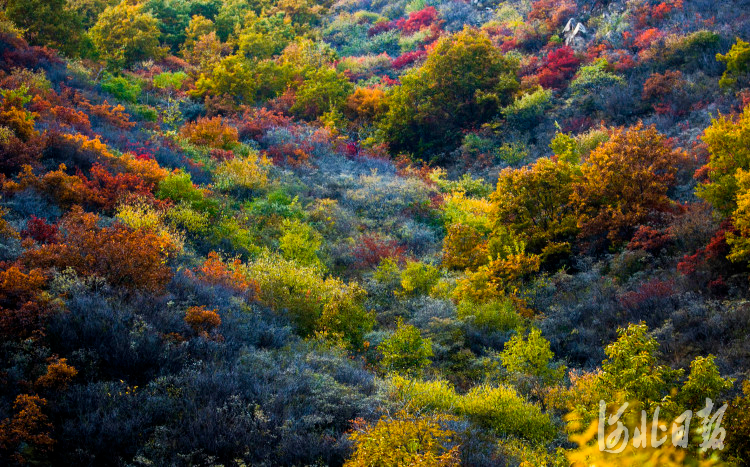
[(658, 86), (727, 140), (558, 67), (502, 410), (140, 214), (322, 91), (552, 13), (499, 409), (27, 435), (311, 302), (405, 351), (594, 78), (403, 440), (419, 278), (436, 396), (133, 259), (418, 20), (300, 243), (738, 425), (686, 52), (211, 132), (23, 308), (502, 275), (243, 175), (530, 356), (15, 153), (59, 374), (624, 181), (498, 315), (201, 320), (170, 80), (228, 274), (125, 34), (575, 149), (464, 247), (111, 189), (178, 187), (257, 121), (534, 203), (739, 239), (185, 217), (631, 368), (461, 85), (40, 230), (528, 110), (366, 104), (122, 88), (372, 250), (66, 190), (737, 61), (408, 58)]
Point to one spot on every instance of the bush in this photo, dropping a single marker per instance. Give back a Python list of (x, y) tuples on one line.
[(727, 140), (625, 181), (243, 175), (125, 34), (300, 243), (696, 50), (437, 395), (211, 132), (323, 91), (498, 315), (461, 85), (530, 356), (134, 259), (419, 278), (502, 410), (528, 110), (594, 78), (201, 320), (737, 61), (405, 351), (122, 88), (403, 440), (499, 409), (534, 204), (170, 80), (558, 67), (178, 187), (311, 302)]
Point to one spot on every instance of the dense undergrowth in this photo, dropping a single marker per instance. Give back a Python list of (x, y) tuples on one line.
[(365, 232)]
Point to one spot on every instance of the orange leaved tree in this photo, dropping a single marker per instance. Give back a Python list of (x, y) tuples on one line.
[(624, 182)]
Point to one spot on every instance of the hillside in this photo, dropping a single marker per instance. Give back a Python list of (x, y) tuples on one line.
[(374, 233)]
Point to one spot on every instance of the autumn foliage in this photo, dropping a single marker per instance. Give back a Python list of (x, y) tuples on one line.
[(211, 132), (558, 67), (218, 272), (128, 258), (201, 320), (23, 307), (625, 181), (27, 432)]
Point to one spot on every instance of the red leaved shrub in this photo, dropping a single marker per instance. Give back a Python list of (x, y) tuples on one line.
[(216, 272), (132, 259), (372, 249), (558, 67), (40, 231), (408, 58), (418, 20)]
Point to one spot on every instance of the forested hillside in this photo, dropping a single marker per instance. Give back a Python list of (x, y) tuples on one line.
[(374, 233)]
